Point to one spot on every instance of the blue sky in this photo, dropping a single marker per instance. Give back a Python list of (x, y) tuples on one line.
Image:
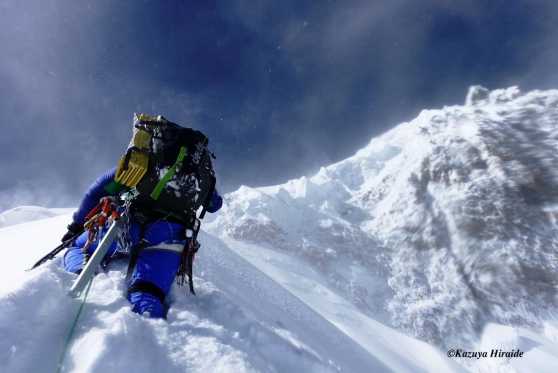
[(280, 87)]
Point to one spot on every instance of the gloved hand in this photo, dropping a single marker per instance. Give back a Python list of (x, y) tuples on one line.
[(73, 229)]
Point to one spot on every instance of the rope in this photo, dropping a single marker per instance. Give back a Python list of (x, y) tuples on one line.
[(72, 329)]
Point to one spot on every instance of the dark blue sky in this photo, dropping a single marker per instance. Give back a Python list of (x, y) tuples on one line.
[(280, 87)]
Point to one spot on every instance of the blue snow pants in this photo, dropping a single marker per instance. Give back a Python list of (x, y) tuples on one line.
[(155, 268)]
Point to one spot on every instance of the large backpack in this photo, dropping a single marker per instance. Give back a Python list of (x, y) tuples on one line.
[(169, 166)]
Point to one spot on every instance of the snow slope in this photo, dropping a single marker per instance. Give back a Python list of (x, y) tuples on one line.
[(242, 320), (439, 234), (23, 214), (440, 227)]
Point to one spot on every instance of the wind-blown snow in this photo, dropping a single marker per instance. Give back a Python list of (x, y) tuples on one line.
[(438, 227), (441, 233), (23, 214)]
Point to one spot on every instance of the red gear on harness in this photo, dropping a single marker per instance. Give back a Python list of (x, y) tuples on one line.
[(105, 211)]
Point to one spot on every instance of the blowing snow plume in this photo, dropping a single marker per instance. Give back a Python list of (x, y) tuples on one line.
[(440, 226)]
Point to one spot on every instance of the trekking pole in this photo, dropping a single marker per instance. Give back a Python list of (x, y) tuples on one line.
[(56, 250)]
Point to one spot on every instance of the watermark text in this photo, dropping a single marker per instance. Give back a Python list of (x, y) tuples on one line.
[(493, 353)]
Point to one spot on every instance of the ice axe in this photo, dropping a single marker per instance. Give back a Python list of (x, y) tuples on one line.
[(56, 250), (95, 260)]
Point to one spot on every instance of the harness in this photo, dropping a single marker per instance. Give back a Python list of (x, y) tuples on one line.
[(106, 211)]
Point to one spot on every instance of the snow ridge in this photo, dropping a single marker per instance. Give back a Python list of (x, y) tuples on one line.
[(23, 214), (439, 227)]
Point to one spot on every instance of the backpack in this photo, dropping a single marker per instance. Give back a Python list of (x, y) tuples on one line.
[(169, 166)]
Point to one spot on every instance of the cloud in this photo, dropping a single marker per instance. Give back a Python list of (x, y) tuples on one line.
[(281, 88), (71, 83)]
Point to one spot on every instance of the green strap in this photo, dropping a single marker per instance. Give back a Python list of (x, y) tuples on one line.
[(72, 329), (114, 187), (169, 174)]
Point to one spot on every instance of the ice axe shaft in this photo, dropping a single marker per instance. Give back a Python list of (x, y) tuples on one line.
[(56, 250), (91, 267)]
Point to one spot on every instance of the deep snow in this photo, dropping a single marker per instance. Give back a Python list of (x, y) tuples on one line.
[(439, 234), (242, 319)]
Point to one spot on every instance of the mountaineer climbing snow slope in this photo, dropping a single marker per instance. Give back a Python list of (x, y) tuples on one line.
[(440, 234)]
